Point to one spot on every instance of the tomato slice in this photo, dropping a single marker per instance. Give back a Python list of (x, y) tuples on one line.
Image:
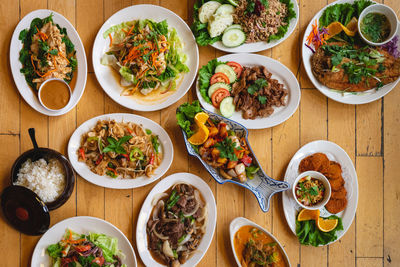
[(236, 67), (219, 77), (218, 96)]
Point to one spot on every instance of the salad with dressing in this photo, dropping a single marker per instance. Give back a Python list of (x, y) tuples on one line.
[(148, 56), (90, 250)]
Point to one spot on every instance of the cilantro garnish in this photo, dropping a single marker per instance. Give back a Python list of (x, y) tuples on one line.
[(256, 86), (227, 149)]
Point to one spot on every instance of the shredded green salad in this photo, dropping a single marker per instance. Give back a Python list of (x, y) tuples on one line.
[(92, 250), (147, 54)]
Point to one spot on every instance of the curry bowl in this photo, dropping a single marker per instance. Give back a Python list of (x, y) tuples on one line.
[(261, 185), (47, 154), (237, 231)]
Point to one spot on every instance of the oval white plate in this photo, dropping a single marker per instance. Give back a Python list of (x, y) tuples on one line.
[(107, 79), (346, 98), (335, 153), (83, 170), (261, 46), (162, 186), (238, 222), (279, 72), (19, 79), (81, 225)]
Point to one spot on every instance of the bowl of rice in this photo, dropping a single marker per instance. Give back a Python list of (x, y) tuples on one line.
[(50, 176)]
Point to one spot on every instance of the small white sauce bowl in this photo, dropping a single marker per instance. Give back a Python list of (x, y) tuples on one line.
[(319, 176), (384, 10), (40, 90)]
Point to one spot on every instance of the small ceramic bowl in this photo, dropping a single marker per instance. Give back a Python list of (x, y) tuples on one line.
[(40, 91), (238, 223), (48, 154), (319, 176), (390, 15)]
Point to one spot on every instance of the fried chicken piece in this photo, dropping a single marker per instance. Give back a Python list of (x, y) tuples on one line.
[(336, 205), (316, 162), (334, 171)]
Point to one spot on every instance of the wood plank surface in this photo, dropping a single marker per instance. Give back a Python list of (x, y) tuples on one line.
[(369, 133)]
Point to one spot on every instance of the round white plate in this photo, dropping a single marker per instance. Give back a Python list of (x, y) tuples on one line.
[(261, 46), (107, 79), (19, 79), (335, 153), (279, 72), (238, 222), (81, 225), (105, 181), (162, 186), (346, 98)]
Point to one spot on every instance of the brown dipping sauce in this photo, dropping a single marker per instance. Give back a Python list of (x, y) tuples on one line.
[(55, 94)]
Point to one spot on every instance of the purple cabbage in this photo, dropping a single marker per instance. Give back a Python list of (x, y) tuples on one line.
[(392, 47)]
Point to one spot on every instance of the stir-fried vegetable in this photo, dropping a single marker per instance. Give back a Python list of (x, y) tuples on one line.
[(148, 56)]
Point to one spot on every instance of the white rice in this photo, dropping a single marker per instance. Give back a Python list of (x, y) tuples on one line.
[(46, 180)]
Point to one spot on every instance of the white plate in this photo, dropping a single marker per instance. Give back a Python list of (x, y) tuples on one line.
[(238, 222), (261, 46), (162, 186), (346, 98), (107, 79), (279, 72), (335, 153), (83, 170), (19, 79), (81, 225)]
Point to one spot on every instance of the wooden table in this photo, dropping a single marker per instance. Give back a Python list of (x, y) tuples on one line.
[(369, 133)]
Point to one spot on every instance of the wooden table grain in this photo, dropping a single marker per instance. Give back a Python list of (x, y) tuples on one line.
[(369, 133)]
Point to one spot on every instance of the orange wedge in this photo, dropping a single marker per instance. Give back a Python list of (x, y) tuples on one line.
[(306, 215), (326, 225), (201, 118), (200, 136)]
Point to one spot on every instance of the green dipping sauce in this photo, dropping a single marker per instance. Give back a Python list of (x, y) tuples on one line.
[(375, 27)]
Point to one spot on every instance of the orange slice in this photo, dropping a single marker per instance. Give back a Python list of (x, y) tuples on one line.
[(202, 133), (306, 215), (201, 118), (336, 27), (326, 225), (200, 136)]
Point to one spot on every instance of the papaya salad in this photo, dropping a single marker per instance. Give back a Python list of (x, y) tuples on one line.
[(216, 143), (89, 250), (148, 56)]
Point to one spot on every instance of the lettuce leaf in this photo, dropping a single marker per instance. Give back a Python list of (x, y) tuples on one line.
[(127, 74), (205, 74), (343, 13), (118, 27), (185, 115), (109, 245), (308, 233)]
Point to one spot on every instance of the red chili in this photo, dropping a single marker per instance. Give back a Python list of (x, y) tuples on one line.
[(113, 170), (82, 152), (152, 159), (99, 159), (126, 156), (82, 248), (247, 160)]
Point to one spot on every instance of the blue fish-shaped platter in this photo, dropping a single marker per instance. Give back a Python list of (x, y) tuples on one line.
[(262, 186)]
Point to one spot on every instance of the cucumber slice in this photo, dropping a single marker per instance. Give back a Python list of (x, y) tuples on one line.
[(233, 38), (234, 26), (207, 10), (216, 86), (226, 107), (233, 2), (228, 71), (225, 9)]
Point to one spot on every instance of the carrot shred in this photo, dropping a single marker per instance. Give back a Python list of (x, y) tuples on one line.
[(111, 39)]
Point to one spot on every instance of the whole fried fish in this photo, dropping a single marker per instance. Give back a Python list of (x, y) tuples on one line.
[(337, 78)]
